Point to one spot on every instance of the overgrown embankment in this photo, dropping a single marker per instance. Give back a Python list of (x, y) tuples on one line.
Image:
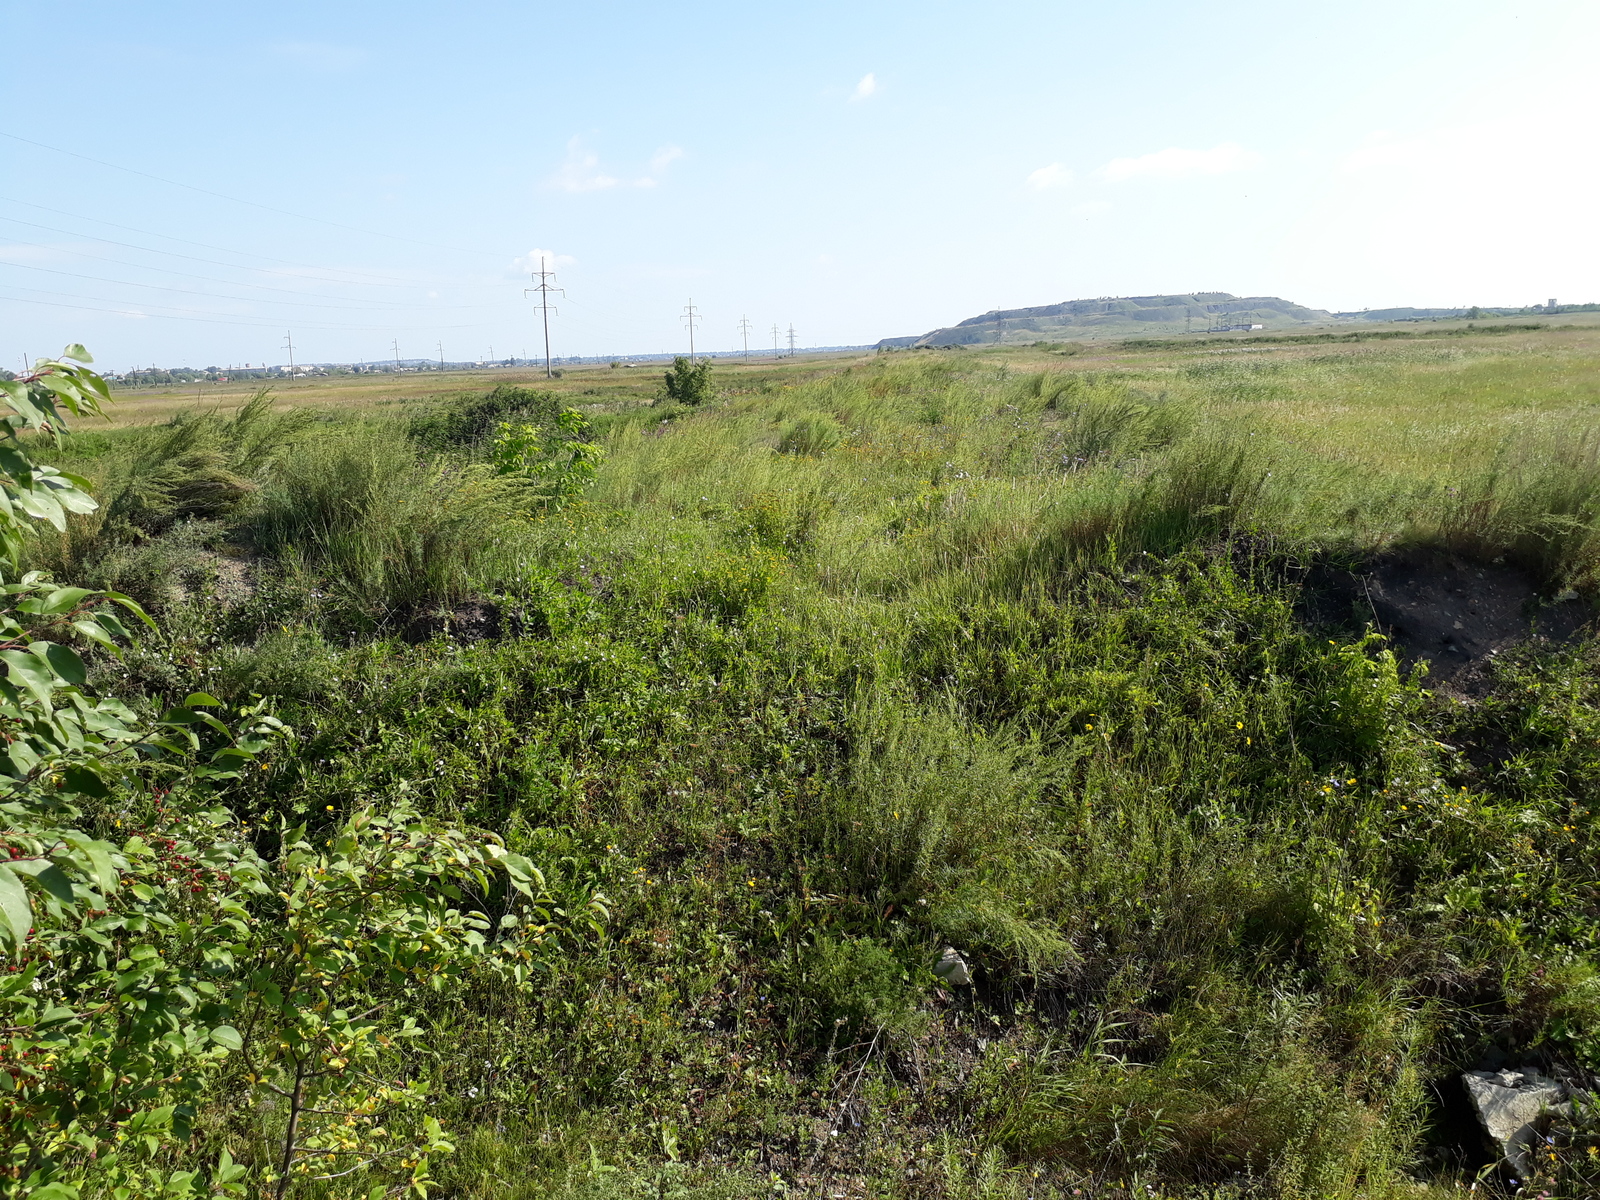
[(817, 681)]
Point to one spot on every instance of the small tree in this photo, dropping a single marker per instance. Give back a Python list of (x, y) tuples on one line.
[(689, 382)]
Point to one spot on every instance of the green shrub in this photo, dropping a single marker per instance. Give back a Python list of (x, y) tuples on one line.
[(470, 423), (851, 989), (688, 382)]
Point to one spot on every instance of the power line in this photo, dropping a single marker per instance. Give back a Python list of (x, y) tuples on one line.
[(375, 280), (690, 316), (544, 287), (282, 212), (775, 342), (791, 341), (265, 287), (744, 329), (396, 354), (288, 340), (161, 287), (177, 309)]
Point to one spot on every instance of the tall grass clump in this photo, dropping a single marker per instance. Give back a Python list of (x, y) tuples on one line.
[(390, 529), (1537, 506)]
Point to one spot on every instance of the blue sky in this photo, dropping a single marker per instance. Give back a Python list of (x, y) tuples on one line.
[(364, 173)]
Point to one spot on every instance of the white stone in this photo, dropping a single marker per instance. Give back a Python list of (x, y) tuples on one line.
[(1509, 1105), (952, 968)]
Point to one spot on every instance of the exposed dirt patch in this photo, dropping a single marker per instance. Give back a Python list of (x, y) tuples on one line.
[(1451, 613), (469, 621), (229, 575)]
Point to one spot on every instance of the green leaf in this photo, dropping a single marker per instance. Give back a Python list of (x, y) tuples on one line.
[(90, 628), (62, 660), (194, 698), (227, 1037), (99, 856), (16, 914), (77, 353), (29, 672), (51, 877), (41, 505), (85, 781)]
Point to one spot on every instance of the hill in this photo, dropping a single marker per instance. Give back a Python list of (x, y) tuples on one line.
[(1117, 316)]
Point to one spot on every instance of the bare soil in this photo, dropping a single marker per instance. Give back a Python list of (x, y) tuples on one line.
[(1454, 614)]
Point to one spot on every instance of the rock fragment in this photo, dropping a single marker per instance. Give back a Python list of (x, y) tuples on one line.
[(1509, 1104), (952, 968)]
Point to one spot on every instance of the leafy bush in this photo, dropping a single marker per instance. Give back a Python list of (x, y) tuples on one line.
[(471, 423), (151, 954), (555, 465), (688, 382)]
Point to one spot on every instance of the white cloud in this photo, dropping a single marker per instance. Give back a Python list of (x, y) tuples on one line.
[(1176, 163), (1054, 176), (1090, 208), (867, 88), (526, 264), (581, 171)]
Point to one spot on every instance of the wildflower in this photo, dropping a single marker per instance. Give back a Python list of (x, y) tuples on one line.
[(1238, 724)]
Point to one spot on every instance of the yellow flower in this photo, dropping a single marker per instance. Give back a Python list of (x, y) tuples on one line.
[(1238, 724)]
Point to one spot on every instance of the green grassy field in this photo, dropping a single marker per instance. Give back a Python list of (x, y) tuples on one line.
[(1002, 650)]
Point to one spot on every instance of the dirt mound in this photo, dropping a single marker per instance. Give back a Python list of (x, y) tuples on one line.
[(1447, 611)]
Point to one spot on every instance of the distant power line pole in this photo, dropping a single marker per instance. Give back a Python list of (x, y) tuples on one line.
[(775, 353), (791, 341), (744, 330), (441, 356), (288, 340), (397, 354), (544, 287), (691, 314)]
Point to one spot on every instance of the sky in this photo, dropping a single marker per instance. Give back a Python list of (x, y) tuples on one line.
[(197, 183)]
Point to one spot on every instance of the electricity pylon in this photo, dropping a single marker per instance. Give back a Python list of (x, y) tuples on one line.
[(691, 315), (544, 287)]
